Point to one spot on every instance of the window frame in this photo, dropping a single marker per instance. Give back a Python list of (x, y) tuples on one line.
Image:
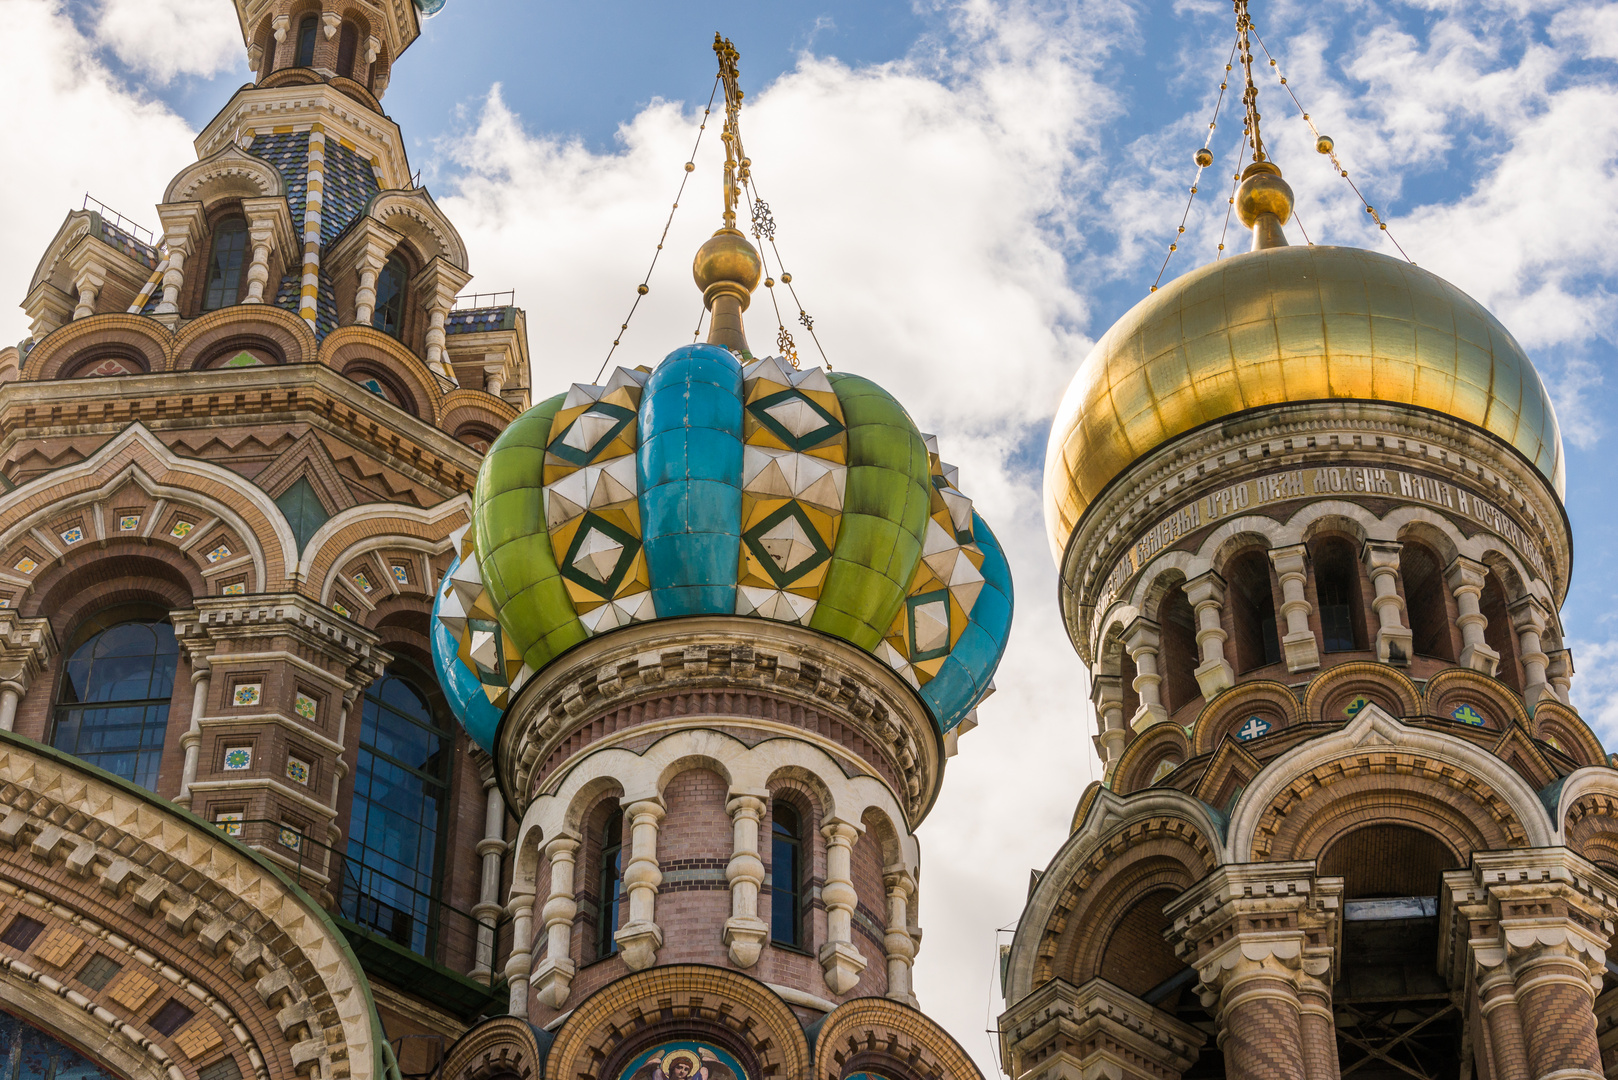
[(609, 884), (222, 287), (394, 306), (308, 35), (155, 710), (788, 841)]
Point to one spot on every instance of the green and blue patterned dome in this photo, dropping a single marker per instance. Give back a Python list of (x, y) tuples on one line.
[(717, 486)]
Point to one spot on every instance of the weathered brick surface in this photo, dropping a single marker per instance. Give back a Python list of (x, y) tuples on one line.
[(1261, 1039)]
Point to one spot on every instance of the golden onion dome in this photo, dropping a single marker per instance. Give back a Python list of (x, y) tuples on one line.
[(1285, 325)]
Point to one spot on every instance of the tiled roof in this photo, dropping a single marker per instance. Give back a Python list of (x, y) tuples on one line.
[(350, 186), (480, 320), (288, 151)]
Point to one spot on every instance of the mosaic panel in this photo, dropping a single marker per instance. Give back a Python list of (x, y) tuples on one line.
[(27, 1053), (685, 1060)]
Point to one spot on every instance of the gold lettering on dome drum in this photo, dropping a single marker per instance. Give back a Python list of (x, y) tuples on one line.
[(1315, 484)]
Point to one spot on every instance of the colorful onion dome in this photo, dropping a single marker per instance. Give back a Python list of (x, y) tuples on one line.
[(706, 487)]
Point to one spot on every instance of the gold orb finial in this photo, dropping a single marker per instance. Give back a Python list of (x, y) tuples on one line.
[(727, 265), (1264, 204)]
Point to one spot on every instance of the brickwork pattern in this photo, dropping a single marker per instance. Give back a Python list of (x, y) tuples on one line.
[(1261, 1039), (1559, 1025)]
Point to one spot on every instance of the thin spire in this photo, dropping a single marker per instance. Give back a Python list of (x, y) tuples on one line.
[(727, 268), (1244, 26)]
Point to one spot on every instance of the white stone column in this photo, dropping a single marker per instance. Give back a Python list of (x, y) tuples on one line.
[(87, 283), (437, 286), (1560, 673), (899, 944), (1394, 641), (745, 932), (370, 261), (641, 937), (10, 696), (555, 974), (1465, 578), (1298, 645), (437, 312), (494, 379), (173, 278), (192, 739), (258, 271), (839, 959), (1108, 693), (1207, 597), (520, 961), (1529, 621), (1142, 639), (490, 850)]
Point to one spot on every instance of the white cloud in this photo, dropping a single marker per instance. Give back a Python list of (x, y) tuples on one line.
[(166, 38), (1595, 686), (78, 130)]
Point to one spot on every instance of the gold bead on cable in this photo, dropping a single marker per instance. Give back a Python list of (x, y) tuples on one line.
[(1323, 144), (1203, 157), (786, 278), (690, 166), (642, 289)]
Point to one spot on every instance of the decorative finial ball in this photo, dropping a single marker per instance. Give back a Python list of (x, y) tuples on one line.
[(1323, 144), (642, 289), (727, 263), (690, 166), (1204, 158), (1262, 191)]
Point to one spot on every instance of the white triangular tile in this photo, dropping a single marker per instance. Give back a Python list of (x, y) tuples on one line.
[(937, 541), (826, 492), (581, 394), (588, 430), (788, 543), (812, 378), (797, 416), (597, 555), (559, 509), (932, 626), (960, 509)]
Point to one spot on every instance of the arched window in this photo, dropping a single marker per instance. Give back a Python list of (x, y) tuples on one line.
[(1337, 586), (113, 704), (390, 296), (786, 875), (610, 886), (308, 27), (225, 267), (396, 828), (1497, 631), (1178, 650), (1423, 578), (266, 44), (1252, 610), (348, 43)]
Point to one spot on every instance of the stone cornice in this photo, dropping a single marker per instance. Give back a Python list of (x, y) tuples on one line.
[(26, 648), (229, 618), (720, 654), (1096, 1021), (302, 106)]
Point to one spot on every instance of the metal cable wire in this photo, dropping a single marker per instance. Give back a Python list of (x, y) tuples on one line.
[(765, 230), (1174, 245)]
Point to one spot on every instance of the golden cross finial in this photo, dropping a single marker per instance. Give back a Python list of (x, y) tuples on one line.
[(1244, 24), (736, 160)]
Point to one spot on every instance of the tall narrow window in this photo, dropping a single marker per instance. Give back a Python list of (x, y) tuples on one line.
[(1178, 654), (113, 705), (1423, 578), (1337, 586), (307, 29), (348, 43), (786, 875), (610, 887), (1497, 631), (1252, 602), (390, 290), (225, 268), (396, 828)]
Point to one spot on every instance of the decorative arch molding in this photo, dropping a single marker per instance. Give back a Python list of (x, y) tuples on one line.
[(231, 173), (414, 215), (1106, 827), (352, 532), (1374, 743), (114, 869), (628, 1015), (1595, 789), (463, 406), (1273, 701), (883, 1036), (136, 455), (1566, 730), (356, 344), (500, 1048), (1139, 766), (1454, 687), (201, 338), (110, 331), (1333, 684)]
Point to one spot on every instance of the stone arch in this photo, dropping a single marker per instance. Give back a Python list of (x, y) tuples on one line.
[(890, 1039), (351, 350), (1565, 730), (1387, 859), (463, 408), (1125, 849), (1587, 815), (72, 344), (352, 532), (1322, 519), (1378, 769), (606, 1030), (415, 216), (1332, 693), (499, 1048), (1233, 538), (1271, 701), (281, 333), (1151, 755), (122, 1047), (1454, 689), (229, 174)]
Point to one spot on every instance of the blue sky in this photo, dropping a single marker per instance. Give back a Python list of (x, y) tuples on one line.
[(970, 192)]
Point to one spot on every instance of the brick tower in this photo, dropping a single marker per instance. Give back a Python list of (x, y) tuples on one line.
[(1306, 503), (242, 833)]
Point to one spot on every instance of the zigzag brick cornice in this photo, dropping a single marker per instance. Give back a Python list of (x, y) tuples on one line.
[(691, 655), (189, 910)]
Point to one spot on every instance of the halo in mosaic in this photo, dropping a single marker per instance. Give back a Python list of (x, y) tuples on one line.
[(684, 1061), (706, 487)]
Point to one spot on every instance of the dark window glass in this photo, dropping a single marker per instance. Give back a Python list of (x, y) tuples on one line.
[(1179, 654), (22, 932), (390, 296), (396, 829), (171, 1017), (1424, 598), (225, 268), (113, 704), (1252, 603), (786, 875), (611, 886), (348, 42), (1337, 586), (306, 42), (302, 509)]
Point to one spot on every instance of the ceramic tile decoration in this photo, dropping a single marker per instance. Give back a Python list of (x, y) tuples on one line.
[(1466, 714), (238, 758), (27, 565), (235, 588), (248, 694), (229, 822), (305, 706), (5, 602), (73, 535), (290, 838), (220, 552), (337, 606), (128, 522), (362, 581), (181, 529), (297, 771), (401, 574)]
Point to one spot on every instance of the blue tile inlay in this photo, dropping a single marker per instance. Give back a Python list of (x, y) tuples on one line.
[(289, 152), (27, 1053), (350, 185)]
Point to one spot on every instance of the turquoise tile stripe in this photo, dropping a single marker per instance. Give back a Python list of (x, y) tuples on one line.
[(690, 462), (462, 689), (966, 672)]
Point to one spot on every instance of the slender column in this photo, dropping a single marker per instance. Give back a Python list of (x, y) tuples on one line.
[(1508, 1052), (1299, 646), (1317, 1028), (1465, 578), (437, 312), (315, 196), (519, 962), (494, 379), (10, 695), (490, 849), (173, 278), (88, 283), (1528, 620), (898, 942), (641, 937), (1142, 640), (840, 960), (1108, 693), (192, 739), (1394, 641), (1207, 596), (745, 933), (555, 975), (258, 272), (1560, 673), (372, 257)]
